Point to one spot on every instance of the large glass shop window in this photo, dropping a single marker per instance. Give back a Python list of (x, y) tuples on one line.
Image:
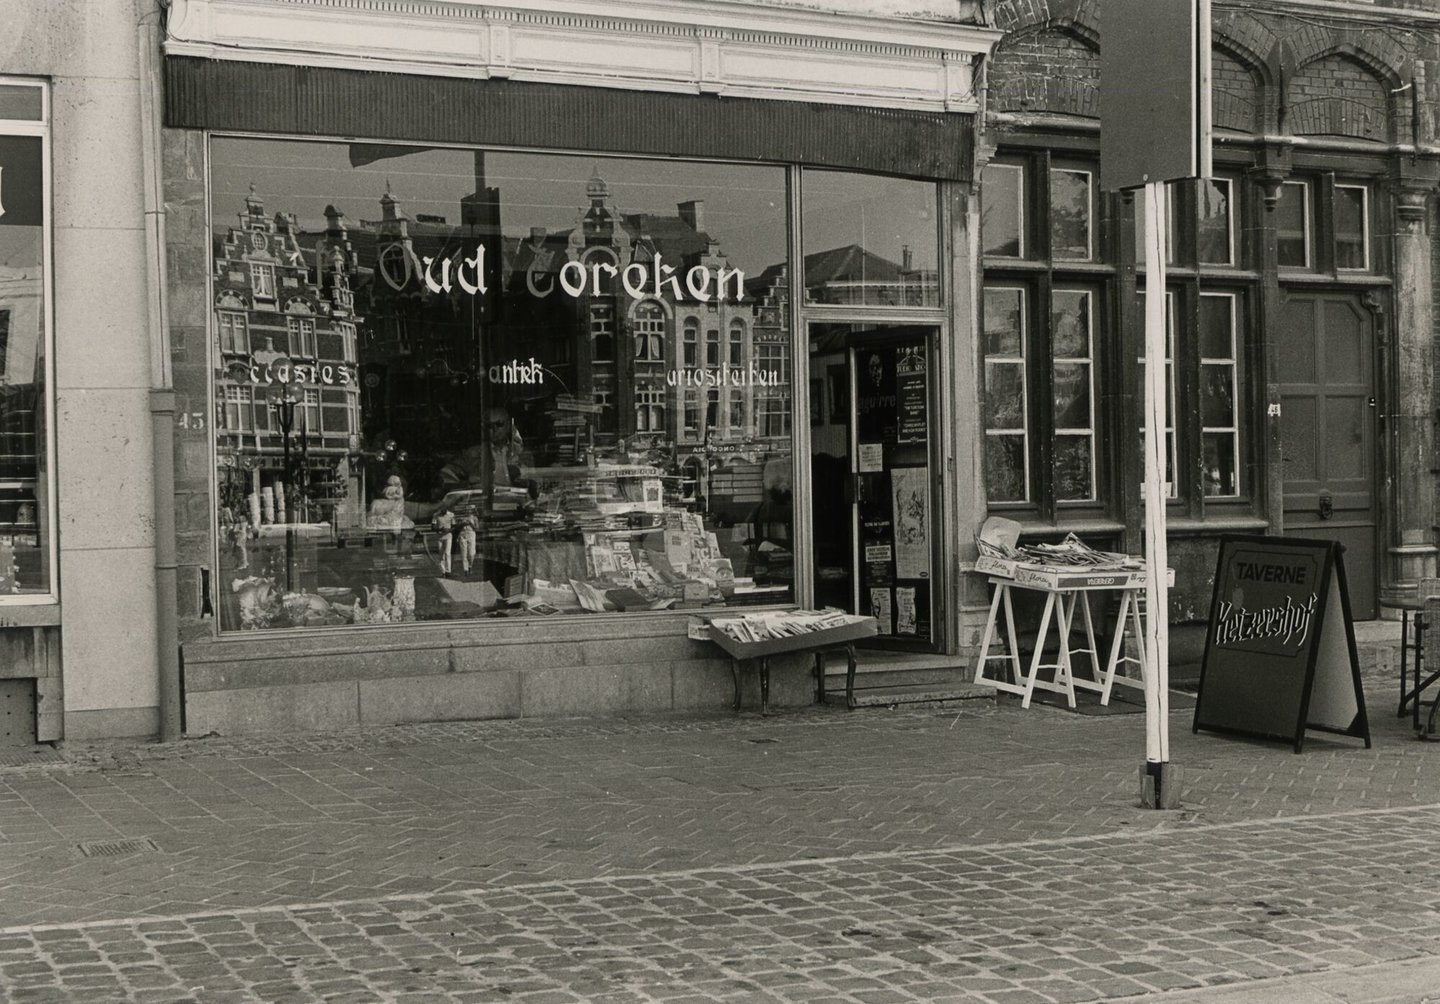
[(26, 543), (458, 384)]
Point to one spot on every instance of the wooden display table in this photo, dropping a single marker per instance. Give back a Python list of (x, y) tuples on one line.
[(1066, 591), (842, 637)]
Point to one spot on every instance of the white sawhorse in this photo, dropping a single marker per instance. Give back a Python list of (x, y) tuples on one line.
[(1059, 613)]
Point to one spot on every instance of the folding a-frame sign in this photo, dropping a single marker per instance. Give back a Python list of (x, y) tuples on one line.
[(1280, 653)]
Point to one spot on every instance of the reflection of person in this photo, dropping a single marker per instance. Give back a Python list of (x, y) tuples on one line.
[(770, 522), (877, 371), (494, 463)]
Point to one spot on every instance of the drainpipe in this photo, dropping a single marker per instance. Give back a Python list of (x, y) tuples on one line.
[(162, 393)]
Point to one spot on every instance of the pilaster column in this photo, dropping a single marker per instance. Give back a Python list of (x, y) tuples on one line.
[(1411, 417)]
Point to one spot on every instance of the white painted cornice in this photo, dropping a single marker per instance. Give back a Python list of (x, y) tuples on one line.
[(774, 50)]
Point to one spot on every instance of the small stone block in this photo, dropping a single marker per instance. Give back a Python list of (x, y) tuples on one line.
[(1170, 779)]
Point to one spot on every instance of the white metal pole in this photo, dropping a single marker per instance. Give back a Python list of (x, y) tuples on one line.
[(1157, 640)]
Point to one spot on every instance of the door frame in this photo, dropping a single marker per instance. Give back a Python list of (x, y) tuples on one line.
[(943, 556), (1374, 300)]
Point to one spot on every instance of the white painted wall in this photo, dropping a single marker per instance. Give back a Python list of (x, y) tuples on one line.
[(88, 48)]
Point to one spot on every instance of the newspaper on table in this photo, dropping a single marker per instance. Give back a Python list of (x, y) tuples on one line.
[(782, 623)]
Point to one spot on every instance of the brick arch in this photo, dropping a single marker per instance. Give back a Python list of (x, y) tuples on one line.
[(1383, 58), (1239, 86), (1050, 67), (1019, 15), (1338, 94)]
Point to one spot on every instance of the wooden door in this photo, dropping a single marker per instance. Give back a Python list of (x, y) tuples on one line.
[(1328, 431)]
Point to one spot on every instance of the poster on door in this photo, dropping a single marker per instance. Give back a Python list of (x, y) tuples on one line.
[(910, 491), (912, 419), (881, 611)]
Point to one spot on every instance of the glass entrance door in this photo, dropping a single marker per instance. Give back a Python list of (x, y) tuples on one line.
[(874, 498)]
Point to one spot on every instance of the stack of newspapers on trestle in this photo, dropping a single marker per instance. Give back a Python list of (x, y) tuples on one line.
[(1070, 564)]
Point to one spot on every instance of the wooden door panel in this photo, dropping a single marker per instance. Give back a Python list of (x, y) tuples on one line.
[(1327, 431)]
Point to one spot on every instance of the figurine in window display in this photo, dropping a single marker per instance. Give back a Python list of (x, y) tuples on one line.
[(388, 512)]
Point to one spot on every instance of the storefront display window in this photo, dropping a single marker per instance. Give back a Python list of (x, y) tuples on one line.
[(455, 384), (869, 241), (26, 517)]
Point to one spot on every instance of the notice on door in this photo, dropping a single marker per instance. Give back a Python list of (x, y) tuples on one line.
[(912, 420), (910, 487)]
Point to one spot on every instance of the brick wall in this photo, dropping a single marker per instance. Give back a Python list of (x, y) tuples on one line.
[(1235, 92), (1046, 70), (1336, 96)]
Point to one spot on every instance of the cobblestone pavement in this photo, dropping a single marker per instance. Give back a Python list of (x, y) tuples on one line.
[(978, 853)]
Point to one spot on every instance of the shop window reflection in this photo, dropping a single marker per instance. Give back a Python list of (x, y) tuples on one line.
[(502, 403)]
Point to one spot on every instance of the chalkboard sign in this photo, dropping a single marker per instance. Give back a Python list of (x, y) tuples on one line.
[(1280, 652)]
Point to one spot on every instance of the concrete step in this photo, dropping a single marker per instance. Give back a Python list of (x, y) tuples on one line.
[(886, 696)]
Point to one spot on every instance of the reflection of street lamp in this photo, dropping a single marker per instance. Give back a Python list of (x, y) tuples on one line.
[(283, 397)]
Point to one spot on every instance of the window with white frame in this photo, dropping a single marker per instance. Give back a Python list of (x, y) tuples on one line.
[(712, 347), (1006, 411), (262, 280), (300, 332), (649, 320), (1219, 404), (234, 332), (649, 411), (310, 413), (602, 331), (239, 407), (1072, 359), (737, 409), (691, 414)]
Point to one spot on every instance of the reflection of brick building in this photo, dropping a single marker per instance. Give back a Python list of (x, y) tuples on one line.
[(285, 322), (21, 301)]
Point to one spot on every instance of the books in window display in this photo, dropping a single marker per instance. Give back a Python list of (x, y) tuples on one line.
[(774, 632)]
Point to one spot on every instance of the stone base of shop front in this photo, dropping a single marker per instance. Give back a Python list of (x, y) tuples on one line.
[(318, 681)]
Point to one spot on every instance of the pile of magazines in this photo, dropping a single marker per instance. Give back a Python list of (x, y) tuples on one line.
[(782, 624)]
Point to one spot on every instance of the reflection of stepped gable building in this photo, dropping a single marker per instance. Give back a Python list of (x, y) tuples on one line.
[(689, 366), (853, 275), (275, 324)]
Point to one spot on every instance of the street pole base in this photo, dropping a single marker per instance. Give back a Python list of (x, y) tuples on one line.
[(1160, 785)]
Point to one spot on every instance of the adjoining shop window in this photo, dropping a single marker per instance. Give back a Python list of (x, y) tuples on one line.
[(456, 384), (1202, 223), (27, 545)]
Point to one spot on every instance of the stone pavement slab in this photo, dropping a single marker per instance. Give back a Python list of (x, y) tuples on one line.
[(972, 852)]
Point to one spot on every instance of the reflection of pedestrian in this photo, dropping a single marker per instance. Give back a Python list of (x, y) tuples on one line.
[(877, 371), (445, 527), (466, 524)]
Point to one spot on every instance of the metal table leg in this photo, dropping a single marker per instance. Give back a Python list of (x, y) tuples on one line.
[(764, 685), (735, 675)]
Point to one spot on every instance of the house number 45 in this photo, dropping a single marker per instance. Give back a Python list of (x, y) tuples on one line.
[(191, 420)]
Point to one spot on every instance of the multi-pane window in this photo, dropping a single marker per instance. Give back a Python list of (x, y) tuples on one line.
[(310, 412), (649, 411), (262, 280), (1324, 225), (238, 408), (602, 331), (691, 414), (712, 347), (1203, 395), (234, 332), (692, 342), (650, 333), (1219, 381), (737, 342), (301, 334), (737, 409), (1007, 435), (347, 340), (1072, 352)]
